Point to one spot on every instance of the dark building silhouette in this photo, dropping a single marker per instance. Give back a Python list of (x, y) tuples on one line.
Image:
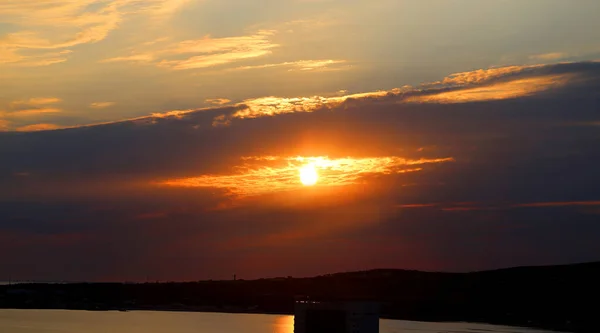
[(335, 317)]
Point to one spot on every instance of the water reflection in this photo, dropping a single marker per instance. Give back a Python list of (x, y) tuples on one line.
[(59, 321), (284, 324)]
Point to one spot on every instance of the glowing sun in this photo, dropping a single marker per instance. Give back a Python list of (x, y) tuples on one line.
[(308, 175)]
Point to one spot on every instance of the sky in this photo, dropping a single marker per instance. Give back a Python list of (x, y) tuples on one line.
[(178, 140)]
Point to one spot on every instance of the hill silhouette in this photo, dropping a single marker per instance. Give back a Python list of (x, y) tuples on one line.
[(552, 297)]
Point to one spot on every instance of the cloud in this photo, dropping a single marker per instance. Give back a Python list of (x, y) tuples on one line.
[(66, 24), (218, 101), (37, 127), (4, 125), (136, 58), (477, 86), (485, 75), (302, 65), (36, 101), (101, 105), (550, 56), (496, 91), (282, 173), (207, 51), (75, 25), (31, 112), (271, 106), (21, 110), (173, 114), (98, 192), (10, 56)]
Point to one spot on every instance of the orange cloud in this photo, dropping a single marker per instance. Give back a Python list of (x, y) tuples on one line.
[(144, 120), (12, 57), (476, 86), (481, 85), (271, 106), (496, 91), (136, 58), (171, 114), (483, 75), (31, 112), (208, 51), (65, 23), (218, 101), (550, 56), (37, 127), (269, 174), (101, 105), (37, 101), (303, 65), (4, 125)]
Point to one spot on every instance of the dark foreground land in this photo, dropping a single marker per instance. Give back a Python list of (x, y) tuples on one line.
[(554, 297)]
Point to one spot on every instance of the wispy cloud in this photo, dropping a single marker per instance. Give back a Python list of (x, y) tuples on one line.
[(302, 65), (172, 113), (483, 75), (206, 52), (31, 112), (61, 24), (4, 125), (10, 56), (37, 127), (496, 91), (495, 84), (101, 105), (269, 174), (271, 106), (31, 108), (550, 56), (36, 101), (476, 86), (218, 101), (135, 58)]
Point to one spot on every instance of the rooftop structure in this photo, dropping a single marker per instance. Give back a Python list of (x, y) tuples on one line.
[(335, 317)]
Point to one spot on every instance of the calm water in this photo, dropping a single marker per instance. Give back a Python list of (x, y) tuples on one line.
[(50, 321)]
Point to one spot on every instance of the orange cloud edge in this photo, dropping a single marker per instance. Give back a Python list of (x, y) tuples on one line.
[(269, 174), (476, 86)]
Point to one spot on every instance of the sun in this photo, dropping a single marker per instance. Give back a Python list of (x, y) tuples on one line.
[(308, 175)]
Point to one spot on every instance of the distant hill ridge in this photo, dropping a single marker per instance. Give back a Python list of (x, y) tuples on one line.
[(562, 297), (585, 265)]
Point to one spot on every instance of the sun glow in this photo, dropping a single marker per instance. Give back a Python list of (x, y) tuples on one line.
[(270, 174), (308, 175)]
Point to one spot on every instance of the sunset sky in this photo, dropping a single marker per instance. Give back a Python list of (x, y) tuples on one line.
[(197, 139)]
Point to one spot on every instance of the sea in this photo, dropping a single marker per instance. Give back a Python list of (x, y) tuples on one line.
[(63, 321)]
